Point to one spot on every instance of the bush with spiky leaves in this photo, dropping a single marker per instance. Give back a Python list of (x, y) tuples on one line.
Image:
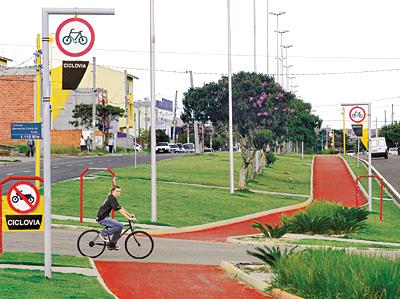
[(268, 231), (270, 255)]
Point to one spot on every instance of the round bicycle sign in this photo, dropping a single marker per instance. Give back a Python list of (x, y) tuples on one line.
[(75, 37), (23, 197), (357, 114)]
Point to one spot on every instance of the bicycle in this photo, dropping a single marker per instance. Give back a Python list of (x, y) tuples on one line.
[(79, 37), (138, 244)]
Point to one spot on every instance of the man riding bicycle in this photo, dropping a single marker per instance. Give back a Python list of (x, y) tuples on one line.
[(103, 217)]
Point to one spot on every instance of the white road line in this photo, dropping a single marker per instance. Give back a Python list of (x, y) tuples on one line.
[(55, 166), (69, 165), (27, 171), (11, 173)]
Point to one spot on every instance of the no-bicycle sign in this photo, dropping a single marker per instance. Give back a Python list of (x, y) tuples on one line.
[(23, 208)]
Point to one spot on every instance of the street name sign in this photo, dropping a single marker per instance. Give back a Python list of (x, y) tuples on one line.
[(26, 131)]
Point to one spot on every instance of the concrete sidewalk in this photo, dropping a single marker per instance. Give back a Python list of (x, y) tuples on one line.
[(69, 270)]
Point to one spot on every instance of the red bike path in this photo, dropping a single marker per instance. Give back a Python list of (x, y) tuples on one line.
[(332, 181)]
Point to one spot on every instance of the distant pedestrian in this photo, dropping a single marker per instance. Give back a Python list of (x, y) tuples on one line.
[(89, 144), (82, 144), (31, 147), (110, 144)]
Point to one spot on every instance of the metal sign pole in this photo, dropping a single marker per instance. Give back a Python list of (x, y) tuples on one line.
[(47, 121), (153, 117), (369, 159)]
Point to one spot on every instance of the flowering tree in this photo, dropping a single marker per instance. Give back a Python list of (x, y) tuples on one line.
[(258, 102)]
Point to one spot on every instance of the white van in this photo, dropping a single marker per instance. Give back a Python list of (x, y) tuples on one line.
[(378, 147)]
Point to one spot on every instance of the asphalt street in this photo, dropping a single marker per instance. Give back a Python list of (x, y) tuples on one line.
[(69, 167), (389, 168)]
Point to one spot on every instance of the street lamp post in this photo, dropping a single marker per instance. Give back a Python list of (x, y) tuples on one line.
[(287, 67), (281, 57), (255, 36), (290, 78), (277, 14)]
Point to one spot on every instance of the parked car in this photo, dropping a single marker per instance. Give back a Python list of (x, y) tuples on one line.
[(188, 148), (180, 146), (162, 147), (208, 150), (393, 151), (378, 147), (137, 146), (174, 148), (350, 153)]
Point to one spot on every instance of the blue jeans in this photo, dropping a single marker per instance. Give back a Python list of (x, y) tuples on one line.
[(115, 228)]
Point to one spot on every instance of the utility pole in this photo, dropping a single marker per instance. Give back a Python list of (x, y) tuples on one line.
[(126, 110), (392, 114), (376, 125), (385, 117), (174, 121), (94, 106), (255, 36), (195, 123)]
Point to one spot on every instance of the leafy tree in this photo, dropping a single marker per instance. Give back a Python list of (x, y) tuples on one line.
[(161, 136), (258, 102), (262, 140), (82, 115), (302, 124), (391, 133)]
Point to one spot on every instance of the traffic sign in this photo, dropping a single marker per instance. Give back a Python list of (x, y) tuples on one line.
[(23, 197), (357, 114), (26, 131), (75, 37)]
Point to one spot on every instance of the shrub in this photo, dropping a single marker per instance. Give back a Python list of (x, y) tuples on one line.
[(327, 152), (270, 255), (270, 232), (332, 274), (270, 158), (326, 218)]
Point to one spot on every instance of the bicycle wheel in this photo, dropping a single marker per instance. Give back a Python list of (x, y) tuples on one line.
[(139, 244), (90, 243)]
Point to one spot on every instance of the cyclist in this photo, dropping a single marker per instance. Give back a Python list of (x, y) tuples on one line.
[(103, 217)]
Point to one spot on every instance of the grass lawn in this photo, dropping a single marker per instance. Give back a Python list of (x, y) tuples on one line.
[(386, 230), (38, 259), (178, 205), (289, 174), (363, 170), (16, 283)]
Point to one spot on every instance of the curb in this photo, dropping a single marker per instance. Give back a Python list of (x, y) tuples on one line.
[(65, 270), (279, 294), (239, 274), (100, 279)]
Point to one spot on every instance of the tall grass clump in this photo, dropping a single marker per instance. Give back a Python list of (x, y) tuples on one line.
[(334, 274), (326, 218), (270, 232)]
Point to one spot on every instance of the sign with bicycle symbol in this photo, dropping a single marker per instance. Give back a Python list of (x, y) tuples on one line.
[(75, 37), (357, 114), (23, 208)]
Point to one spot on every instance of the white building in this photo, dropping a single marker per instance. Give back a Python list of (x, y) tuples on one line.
[(164, 116)]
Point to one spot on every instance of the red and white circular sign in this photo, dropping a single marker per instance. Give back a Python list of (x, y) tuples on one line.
[(357, 114), (75, 37), (23, 197)]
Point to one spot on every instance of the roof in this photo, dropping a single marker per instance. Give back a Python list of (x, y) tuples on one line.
[(5, 58)]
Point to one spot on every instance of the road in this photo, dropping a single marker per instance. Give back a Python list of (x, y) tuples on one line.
[(389, 168), (69, 167), (165, 250)]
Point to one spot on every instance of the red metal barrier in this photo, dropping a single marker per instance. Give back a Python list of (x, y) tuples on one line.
[(81, 189), (11, 178), (381, 192)]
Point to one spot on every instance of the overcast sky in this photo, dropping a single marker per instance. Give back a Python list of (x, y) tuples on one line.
[(357, 40)]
